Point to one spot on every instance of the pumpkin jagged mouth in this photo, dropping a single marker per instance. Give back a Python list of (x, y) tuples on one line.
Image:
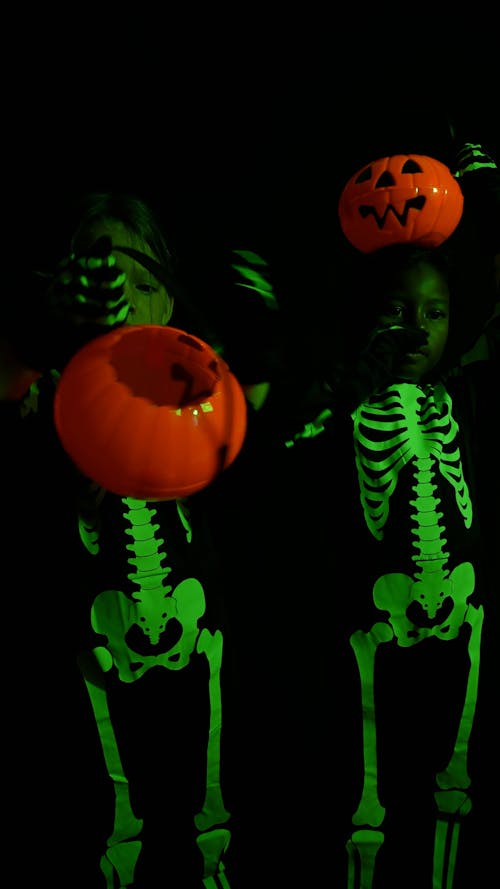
[(417, 203)]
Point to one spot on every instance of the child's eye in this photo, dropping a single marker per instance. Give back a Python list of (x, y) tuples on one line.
[(395, 311), (436, 314), (146, 288)]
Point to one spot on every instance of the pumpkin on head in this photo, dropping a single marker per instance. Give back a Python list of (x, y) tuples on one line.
[(150, 412), (398, 199)]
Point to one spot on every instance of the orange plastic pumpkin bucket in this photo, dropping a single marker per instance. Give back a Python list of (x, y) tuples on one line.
[(150, 412), (398, 199)]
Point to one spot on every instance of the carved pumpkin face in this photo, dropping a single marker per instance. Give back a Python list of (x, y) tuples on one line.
[(399, 199), (150, 412)]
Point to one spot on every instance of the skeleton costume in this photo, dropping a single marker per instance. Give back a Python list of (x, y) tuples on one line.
[(124, 704), (377, 617), (127, 661), (378, 622), (406, 630)]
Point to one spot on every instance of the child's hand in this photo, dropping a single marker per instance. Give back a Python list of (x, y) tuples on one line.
[(252, 272), (471, 157), (389, 345), (378, 364), (253, 324), (90, 289)]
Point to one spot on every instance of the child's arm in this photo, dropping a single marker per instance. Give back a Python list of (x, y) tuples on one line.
[(83, 298), (478, 174), (373, 369), (15, 376), (253, 339), (479, 177)]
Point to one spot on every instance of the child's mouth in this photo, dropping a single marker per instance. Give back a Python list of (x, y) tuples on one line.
[(415, 356)]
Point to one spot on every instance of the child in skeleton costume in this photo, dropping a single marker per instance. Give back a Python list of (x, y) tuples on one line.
[(369, 546), (137, 634), (397, 584)]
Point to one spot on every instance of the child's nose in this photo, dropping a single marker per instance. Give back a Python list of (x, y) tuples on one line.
[(419, 320), (421, 324)]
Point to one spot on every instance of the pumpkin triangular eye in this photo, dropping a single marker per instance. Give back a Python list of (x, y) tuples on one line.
[(385, 180), (365, 175), (411, 166)]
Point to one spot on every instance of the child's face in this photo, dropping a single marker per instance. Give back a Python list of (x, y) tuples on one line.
[(149, 301), (419, 296)]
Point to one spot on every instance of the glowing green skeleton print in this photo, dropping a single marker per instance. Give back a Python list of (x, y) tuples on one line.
[(420, 430), (154, 604)]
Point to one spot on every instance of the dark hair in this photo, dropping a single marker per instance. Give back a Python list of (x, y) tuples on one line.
[(377, 271), (132, 211)]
